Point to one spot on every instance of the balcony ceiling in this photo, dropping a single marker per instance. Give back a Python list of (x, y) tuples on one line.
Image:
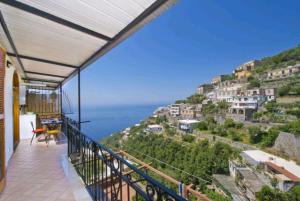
[(50, 40)]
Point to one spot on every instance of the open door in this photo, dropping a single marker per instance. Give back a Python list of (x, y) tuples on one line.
[(2, 133), (16, 110)]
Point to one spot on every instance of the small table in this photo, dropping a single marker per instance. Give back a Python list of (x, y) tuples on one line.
[(52, 125)]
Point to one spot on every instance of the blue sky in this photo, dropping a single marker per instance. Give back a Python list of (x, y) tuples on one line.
[(186, 46)]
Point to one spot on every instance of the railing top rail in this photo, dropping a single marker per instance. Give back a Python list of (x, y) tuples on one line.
[(154, 182)]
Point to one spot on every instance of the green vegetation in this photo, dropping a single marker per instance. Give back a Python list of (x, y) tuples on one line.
[(188, 138), (228, 77), (268, 194), (292, 127), (291, 88), (253, 82), (220, 107), (283, 59), (193, 99), (160, 119), (263, 138), (200, 159)]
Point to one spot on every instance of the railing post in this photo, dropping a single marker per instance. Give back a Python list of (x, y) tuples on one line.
[(60, 100), (79, 100)]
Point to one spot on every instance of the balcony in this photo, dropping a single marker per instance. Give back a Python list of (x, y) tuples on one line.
[(40, 52), (36, 173)]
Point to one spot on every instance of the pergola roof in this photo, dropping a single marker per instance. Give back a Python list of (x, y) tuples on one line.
[(50, 40)]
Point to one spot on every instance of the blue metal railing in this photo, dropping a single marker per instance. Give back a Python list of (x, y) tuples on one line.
[(107, 175)]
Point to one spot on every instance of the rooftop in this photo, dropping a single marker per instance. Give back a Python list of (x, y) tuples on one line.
[(188, 121), (283, 171), (257, 156)]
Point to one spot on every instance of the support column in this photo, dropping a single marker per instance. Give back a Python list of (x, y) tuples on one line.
[(79, 101), (60, 99)]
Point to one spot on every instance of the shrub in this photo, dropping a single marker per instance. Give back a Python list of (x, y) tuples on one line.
[(229, 123), (284, 90), (188, 138), (257, 115), (239, 125), (294, 112), (255, 134), (292, 127), (268, 139), (234, 135), (202, 125), (272, 106)]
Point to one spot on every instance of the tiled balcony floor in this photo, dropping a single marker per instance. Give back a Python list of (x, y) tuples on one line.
[(35, 173)]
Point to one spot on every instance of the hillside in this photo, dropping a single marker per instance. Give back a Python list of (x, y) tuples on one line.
[(283, 59)]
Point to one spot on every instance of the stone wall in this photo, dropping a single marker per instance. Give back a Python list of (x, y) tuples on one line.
[(288, 144)]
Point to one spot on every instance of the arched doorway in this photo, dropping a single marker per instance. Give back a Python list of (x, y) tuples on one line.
[(16, 110)]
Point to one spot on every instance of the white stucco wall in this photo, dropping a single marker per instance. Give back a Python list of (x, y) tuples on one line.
[(8, 113)]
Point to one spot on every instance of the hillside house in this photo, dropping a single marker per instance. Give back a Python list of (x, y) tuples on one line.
[(251, 102), (255, 92), (154, 128), (281, 73), (188, 125), (287, 173), (188, 112), (245, 70), (240, 114), (270, 94), (204, 89)]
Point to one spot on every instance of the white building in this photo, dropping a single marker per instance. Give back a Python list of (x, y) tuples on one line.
[(188, 124), (154, 128), (287, 173), (249, 102), (270, 94)]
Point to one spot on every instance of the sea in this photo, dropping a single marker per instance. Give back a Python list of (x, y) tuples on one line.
[(106, 120)]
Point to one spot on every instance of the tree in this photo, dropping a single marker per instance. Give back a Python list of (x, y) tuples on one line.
[(222, 106), (255, 134)]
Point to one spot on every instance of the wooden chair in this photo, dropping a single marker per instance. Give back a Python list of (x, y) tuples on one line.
[(37, 131)]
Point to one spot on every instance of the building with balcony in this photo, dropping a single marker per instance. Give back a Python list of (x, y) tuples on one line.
[(174, 110), (40, 52), (187, 111)]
